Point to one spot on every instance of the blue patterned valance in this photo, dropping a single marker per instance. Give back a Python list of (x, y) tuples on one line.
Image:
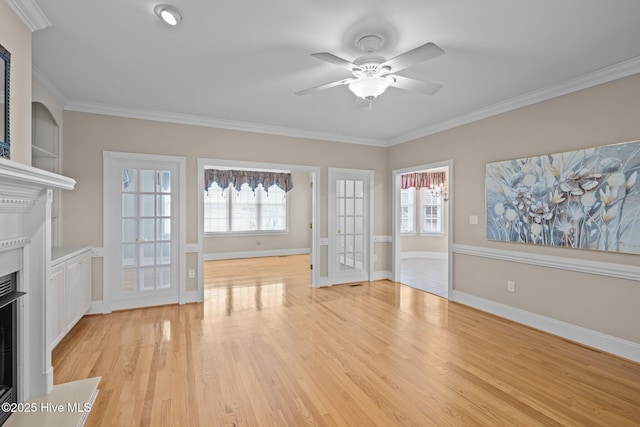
[(253, 178)]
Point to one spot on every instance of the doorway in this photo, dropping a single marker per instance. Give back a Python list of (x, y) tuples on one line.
[(422, 237), (209, 246)]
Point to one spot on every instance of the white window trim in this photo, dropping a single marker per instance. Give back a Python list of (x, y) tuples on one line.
[(422, 204), (413, 231)]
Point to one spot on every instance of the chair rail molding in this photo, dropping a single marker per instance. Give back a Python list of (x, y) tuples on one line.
[(608, 269)]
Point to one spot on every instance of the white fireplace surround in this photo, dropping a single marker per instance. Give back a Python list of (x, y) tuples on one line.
[(25, 247)]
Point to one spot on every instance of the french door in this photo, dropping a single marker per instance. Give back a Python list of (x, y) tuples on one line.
[(142, 231), (349, 225)]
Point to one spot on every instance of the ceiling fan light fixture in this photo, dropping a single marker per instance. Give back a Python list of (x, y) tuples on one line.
[(168, 14), (369, 87)]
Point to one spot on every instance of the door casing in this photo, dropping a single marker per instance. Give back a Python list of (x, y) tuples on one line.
[(395, 217)]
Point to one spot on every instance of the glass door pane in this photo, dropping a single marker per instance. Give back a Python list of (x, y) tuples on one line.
[(146, 230), (350, 225)]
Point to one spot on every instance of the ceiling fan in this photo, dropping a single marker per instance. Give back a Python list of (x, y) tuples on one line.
[(373, 74)]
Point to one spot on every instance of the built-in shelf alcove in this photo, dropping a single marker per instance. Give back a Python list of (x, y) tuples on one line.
[(46, 155)]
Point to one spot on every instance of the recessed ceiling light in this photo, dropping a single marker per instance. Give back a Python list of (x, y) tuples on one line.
[(168, 14)]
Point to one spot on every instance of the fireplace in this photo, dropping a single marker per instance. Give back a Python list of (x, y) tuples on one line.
[(8, 342), (25, 267)]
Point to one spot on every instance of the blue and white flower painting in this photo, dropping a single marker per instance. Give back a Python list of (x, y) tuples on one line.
[(587, 199)]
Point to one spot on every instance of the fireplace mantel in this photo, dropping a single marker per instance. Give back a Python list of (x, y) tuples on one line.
[(25, 246), (24, 175)]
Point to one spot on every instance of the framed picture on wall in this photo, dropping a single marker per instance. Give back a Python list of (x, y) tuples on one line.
[(585, 199)]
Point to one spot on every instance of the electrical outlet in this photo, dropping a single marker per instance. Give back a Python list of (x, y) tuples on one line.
[(473, 219), (511, 286), (192, 273)]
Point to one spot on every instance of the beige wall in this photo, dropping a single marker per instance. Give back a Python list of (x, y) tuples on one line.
[(16, 38), (297, 237), (601, 115), (86, 136)]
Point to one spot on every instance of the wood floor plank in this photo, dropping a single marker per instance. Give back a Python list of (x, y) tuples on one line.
[(266, 349)]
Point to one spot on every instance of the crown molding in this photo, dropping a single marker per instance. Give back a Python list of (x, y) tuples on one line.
[(585, 81), (30, 13), (162, 116), (604, 75), (48, 86)]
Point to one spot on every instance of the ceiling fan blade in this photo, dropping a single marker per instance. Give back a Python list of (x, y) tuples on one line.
[(325, 86), (335, 60), (413, 57), (406, 83)]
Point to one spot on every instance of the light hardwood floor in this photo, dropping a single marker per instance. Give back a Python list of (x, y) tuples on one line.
[(266, 349)]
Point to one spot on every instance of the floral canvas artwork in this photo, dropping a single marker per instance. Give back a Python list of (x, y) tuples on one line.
[(588, 199)]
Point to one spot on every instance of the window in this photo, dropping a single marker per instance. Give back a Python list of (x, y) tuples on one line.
[(231, 211), (407, 210), (430, 211)]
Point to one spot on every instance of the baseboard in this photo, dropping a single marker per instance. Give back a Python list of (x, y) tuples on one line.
[(255, 254), (96, 307), (424, 254), (191, 296), (382, 275), (607, 343), (323, 282)]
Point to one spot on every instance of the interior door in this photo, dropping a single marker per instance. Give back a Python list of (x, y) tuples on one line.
[(142, 233), (349, 220)]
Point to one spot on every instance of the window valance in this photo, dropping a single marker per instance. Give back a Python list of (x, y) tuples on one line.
[(224, 177), (423, 180)]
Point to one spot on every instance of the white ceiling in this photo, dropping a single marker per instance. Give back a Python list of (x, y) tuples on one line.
[(236, 64)]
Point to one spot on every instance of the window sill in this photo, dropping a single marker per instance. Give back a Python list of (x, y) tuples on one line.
[(435, 234), (248, 233)]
